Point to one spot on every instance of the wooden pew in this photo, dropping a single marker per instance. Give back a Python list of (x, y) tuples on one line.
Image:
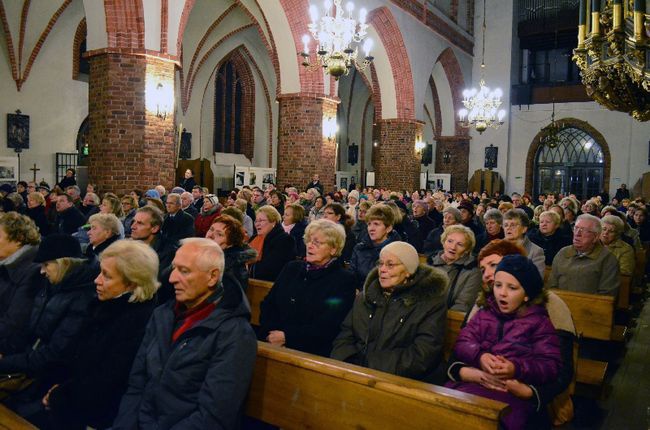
[(547, 273), (454, 321), (624, 291), (10, 421), (422, 258), (256, 291), (295, 390)]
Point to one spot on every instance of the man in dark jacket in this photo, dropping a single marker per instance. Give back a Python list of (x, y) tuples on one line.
[(68, 218), (315, 183), (425, 223), (196, 360), (178, 224)]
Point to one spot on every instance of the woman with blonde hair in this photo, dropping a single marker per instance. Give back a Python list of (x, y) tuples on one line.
[(104, 230), (110, 338), (274, 246)]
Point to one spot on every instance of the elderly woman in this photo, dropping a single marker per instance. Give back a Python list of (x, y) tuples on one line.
[(229, 234), (248, 224), (505, 207), (316, 211), (610, 237), (642, 224), (493, 221), (125, 288), (310, 298), (274, 247), (36, 211), (549, 236), (510, 343), (19, 275), (433, 244), (209, 211), (104, 230), (43, 351), (456, 260), (360, 228), (129, 207), (515, 226), (397, 324), (277, 200), (293, 223)]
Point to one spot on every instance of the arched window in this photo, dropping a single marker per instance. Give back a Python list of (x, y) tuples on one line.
[(234, 104), (80, 64), (574, 166)]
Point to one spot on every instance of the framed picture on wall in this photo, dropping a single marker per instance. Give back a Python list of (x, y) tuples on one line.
[(9, 170), (439, 181)]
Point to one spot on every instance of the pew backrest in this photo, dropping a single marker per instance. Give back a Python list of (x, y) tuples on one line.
[(593, 314), (292, 389), (454, 322), (256, 292), (11, 421)]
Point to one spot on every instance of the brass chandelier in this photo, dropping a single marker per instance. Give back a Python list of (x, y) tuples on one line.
[(551, 133), (335, 33), (614, 57)]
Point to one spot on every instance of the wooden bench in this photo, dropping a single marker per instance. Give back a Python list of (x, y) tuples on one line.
[(624, 291), (256, 291), (10, 421), (295, 390)]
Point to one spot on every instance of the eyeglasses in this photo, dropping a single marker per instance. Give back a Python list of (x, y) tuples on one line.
[(316, 243), (388, 264), (583, 230), (511, 225)]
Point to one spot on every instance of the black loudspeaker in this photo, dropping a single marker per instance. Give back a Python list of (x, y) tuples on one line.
[(353, 154), (427, 154)]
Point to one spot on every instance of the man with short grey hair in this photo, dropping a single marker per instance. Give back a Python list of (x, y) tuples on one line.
[(178, 224), (196, 360), (586, 266), (186, 204)]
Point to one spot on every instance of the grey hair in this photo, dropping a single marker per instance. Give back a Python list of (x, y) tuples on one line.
[(137, 263), (334, 233), (615, 221), (107, 222), (493, 214), (187, 194), (519, 215), (209, 256), (593, 219), (455, 212)]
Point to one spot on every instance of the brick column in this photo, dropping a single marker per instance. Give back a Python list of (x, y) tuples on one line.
[(458, 165), (130, 147), (397, 166), (302, 149)]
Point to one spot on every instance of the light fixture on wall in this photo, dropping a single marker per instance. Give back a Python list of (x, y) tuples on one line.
[(335, 33), (159, 98), (482, 106), (419, 145), (446, 157), (330, 128)]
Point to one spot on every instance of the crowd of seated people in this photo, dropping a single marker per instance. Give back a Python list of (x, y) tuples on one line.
[(363, 276)]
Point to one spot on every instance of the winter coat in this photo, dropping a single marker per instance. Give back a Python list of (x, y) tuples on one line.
[(365, 256), (20, 281), (433, 242), (464, 281), (350, 243), (127, 221), (535, 254), (57, 318), (188, 183), (409, 232), (297, 232), (526, 338), (425, 226), (69, 220), (101, 364), (308, 306), (204, 219), (235, 263), (359, 229), (550, 244), (40, 219), (402, 333), (179, 226), (198, 381), (94, 251), (279, 248)]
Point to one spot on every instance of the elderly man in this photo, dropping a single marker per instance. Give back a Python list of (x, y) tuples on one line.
[(74, 192), (187, 201), (586, 266), (178, 224), (90, 205), (196, 360), (518, 203)]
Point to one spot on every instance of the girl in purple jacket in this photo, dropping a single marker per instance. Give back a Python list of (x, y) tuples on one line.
[(509, 343)]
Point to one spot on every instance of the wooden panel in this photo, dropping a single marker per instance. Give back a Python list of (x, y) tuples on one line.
[(591, 372), (10, 421), (294, 390), (454, 321), (623, 301), (547, 273), (256, 292), (593, 314), (422, 258)]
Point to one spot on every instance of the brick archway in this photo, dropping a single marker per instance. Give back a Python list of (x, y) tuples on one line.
[(391, 38), (454, 74), (569, 122), (124, 23)]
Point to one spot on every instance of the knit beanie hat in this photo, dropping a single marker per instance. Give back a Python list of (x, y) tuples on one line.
[(152, 193), (525, 271), (57, 246), (406, 254), (177, 190), (354, 194), (213, 199)]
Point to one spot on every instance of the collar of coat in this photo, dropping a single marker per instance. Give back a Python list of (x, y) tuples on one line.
[(425, 284), (593, 254)]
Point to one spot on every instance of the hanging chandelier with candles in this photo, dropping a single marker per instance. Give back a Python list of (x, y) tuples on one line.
[(336, 32), (613, 54), (482, 106), (551, 133)]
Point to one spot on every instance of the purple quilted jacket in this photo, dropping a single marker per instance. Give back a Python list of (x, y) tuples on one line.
[(527, 338)]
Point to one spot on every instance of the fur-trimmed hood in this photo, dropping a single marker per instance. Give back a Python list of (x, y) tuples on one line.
[(426, 284)]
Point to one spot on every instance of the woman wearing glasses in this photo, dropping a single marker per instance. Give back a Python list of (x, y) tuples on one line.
[(310, 298), (397, 323)]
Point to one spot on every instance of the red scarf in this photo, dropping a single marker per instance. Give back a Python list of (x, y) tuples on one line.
[(186, 319)]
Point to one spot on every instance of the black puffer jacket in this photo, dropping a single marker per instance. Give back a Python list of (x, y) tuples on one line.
[(200, 380), (308, 306), (235, 262), (102, 363), (365, 256), (20, 281), (550, 244), (279, 248), (402, 333), (57, 318)]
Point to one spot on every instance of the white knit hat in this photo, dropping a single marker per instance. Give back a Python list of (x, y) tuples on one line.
[(354, 194), (405, 252)]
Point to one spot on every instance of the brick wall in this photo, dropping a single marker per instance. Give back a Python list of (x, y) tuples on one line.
[(396, 164), (302, 150), (458, 165), (129, 146)]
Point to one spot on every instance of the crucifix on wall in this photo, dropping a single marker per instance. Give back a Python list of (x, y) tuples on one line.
[(34, 169)]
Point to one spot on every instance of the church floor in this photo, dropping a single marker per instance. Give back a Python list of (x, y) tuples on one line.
[(625, 400)]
